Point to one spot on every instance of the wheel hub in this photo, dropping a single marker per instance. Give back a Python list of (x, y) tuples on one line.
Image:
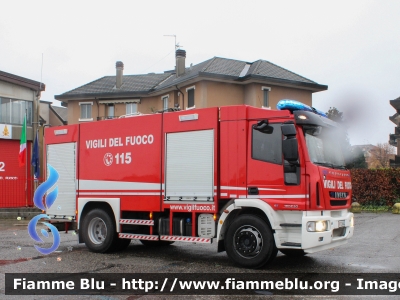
[(248, 241), (97, 230)]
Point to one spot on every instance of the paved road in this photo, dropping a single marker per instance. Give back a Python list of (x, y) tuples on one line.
[(374, 248)]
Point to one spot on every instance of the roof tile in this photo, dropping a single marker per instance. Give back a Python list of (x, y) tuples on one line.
[(131, 83), (61, 111), (147, 83), (265, 68), (225, 66)]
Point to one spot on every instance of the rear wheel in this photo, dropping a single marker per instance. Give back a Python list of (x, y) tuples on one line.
[(99, 232), (293, 252), (249, 242)]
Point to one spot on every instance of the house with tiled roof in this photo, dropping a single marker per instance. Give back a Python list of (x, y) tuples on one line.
[(214, 82), (58, 115), (51, 115)]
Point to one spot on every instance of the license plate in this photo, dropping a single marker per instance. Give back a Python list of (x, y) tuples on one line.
[(341, 223)]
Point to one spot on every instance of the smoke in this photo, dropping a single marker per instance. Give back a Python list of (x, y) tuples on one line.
[(365, 117)]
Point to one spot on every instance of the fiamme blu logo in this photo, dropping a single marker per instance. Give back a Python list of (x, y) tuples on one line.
[(49, 200)]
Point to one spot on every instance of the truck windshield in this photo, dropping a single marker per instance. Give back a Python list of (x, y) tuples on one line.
[(323, 147)]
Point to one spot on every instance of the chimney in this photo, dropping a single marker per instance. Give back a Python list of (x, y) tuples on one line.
[(120, 73), (180, 62)]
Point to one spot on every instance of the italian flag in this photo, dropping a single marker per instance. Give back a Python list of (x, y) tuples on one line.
[(22, 145)]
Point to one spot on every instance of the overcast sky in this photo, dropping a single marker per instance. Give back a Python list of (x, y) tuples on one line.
[(351, 46)]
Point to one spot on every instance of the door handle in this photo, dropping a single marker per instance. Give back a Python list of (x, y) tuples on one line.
[(253, 190)]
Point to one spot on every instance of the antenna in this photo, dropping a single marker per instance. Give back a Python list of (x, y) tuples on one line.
[(37, 98), (177, 46), (41, 74)]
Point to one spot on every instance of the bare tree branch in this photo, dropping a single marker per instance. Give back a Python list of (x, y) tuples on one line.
[(380, 155)]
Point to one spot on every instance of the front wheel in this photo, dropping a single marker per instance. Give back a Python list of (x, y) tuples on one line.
[(99, 232), (249, 242)]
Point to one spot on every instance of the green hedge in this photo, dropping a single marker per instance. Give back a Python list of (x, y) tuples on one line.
[(376, 187)]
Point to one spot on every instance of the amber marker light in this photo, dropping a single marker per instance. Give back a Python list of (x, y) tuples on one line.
[(151, 216), (215, 217)]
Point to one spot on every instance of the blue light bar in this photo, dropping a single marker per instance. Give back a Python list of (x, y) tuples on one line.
[(293, 105)]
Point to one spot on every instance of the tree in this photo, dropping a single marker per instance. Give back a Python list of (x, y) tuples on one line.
[(357, 160), (335, 115), (380, 155), (354, 158)]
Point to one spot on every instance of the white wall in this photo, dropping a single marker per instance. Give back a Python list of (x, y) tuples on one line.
[(15, 91)]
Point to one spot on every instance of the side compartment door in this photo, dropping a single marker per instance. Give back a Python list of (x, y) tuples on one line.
[(62, 157), (190, 166)]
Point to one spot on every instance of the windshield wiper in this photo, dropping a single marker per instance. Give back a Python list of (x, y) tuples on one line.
[(340, 167), (329, 165), (324, 164)]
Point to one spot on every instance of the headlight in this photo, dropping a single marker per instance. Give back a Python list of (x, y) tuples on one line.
[(317, 226), (321, 226), (352, 222)]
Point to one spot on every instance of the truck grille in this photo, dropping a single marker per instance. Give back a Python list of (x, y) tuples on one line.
[(338, 202), (339, 195)]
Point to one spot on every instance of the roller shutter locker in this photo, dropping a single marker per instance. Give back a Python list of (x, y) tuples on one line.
[(189, 165), (62, 157)]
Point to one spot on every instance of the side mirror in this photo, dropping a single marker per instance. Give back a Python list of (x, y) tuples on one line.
[(263, 127), (290, 147), (290, 150), (288, 130)]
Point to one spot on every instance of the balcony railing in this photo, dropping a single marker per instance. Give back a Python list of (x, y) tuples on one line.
[(393, 139), (395, 163), (106, 118), (119, 117)]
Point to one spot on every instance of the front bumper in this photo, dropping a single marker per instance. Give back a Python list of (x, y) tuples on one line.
[(339, 230)]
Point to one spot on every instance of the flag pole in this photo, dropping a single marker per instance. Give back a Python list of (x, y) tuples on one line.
[(26, 166)]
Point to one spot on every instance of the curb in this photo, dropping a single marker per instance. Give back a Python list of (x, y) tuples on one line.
[(23, 212)]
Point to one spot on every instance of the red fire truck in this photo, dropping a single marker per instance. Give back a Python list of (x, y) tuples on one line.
[(253, 180)]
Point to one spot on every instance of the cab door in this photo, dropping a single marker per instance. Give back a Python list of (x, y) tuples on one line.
[(269, 175), (265, 163)]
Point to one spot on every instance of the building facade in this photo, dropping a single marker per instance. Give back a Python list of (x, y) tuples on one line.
[(19, 96), (394, 138)]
